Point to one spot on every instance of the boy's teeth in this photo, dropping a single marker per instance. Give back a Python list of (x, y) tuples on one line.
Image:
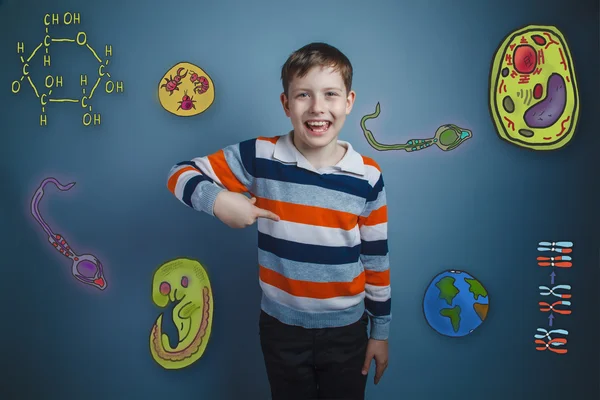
[(317, 123)]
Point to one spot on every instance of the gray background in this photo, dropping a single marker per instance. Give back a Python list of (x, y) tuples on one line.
[(482, 208)]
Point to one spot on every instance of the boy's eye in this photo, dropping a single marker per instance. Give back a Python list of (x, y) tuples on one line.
[(327, 94)]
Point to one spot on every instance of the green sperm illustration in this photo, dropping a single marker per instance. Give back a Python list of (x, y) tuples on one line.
[(447, 137)]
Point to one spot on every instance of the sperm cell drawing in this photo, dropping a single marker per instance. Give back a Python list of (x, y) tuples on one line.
[(447, 137), (86, 268)]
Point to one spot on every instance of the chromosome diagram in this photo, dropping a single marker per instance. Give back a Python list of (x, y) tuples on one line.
[(86, 268), (52, 83), (447, 137), (558, 295)]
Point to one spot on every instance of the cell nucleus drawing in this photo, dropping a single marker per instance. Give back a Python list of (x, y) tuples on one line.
[(184, 282), (86, 268), (534, 97), (455, 303), (186, 90), (447, 137)]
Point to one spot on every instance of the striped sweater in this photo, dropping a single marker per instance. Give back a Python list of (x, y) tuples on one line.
[(326, 261)]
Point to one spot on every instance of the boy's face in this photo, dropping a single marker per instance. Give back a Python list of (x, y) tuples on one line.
[(317, 106)]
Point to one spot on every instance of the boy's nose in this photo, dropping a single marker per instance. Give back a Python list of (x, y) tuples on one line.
[(317, 105)]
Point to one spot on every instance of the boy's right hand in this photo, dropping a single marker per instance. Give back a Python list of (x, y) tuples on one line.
[(238, 211)]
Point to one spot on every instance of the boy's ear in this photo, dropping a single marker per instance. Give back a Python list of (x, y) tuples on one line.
[(350, 101), (285, 104)]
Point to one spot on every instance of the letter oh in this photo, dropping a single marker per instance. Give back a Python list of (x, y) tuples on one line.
[(88, 119)]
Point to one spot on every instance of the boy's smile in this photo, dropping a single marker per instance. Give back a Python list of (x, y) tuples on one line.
[(318, 126), (317, 105)]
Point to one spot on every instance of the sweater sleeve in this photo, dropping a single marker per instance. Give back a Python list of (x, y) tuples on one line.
[(375, 259), (197, 182)]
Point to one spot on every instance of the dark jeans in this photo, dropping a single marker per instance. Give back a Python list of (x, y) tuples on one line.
[(314, 363)]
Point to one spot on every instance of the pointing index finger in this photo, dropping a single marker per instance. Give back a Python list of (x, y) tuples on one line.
[(267, 214)]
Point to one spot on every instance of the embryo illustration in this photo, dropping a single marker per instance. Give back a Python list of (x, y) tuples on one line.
[(86, 268), (184, 282)]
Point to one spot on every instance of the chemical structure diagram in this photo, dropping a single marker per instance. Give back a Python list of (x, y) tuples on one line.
[(53, 82)]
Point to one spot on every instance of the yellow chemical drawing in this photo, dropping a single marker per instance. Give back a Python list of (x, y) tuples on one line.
[(186, 90), (52, 83), (182, 281), (534, 97)]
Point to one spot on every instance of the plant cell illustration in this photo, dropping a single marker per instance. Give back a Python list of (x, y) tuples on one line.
[(534, 97)]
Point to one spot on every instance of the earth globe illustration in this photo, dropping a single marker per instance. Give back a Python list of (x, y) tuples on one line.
[(455, 303)]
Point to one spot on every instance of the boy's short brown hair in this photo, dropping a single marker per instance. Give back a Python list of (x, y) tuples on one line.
[(312, 55)]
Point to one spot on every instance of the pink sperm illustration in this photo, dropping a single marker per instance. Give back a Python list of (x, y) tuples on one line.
[(86, 268)]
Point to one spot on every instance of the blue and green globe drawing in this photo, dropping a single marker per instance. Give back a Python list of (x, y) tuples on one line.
[(455, 303)]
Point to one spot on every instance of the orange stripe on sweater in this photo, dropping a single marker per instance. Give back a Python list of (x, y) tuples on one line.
[(173, 179), (378, 278), (223, 172), (315, 290), (273, 139), (309, 215), (378, 216), (371, 162)]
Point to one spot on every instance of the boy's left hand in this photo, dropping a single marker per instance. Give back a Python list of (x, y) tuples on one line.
[(377, 349)]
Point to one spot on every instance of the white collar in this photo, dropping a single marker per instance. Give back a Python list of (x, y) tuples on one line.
[(286, 151)]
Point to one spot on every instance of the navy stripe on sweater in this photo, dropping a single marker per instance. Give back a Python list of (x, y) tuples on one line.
[(275, 170)]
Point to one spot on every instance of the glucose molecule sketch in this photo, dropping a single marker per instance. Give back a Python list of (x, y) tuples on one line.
[(52, 83)]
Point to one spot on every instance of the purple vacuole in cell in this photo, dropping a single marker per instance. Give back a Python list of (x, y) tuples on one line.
[(548, 111)]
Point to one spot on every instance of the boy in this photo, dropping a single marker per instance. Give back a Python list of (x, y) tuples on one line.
[(321, 213)]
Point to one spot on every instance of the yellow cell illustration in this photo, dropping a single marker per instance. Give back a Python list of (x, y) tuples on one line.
[(534, 98), (186, 90), (184, 282)]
